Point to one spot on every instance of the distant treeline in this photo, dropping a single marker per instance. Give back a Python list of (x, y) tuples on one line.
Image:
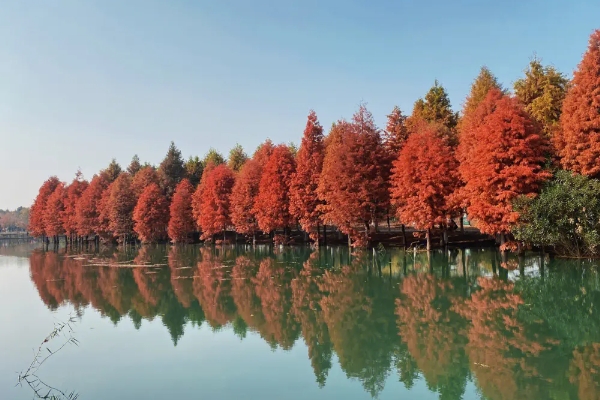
[(500, 160), (14, 221)]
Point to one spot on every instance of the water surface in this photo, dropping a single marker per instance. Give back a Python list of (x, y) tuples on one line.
[(264, 323)]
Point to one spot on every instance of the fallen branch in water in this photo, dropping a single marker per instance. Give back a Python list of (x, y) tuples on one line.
[(41, 389)]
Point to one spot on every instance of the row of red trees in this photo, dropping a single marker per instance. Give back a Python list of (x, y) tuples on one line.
[(424, 169)]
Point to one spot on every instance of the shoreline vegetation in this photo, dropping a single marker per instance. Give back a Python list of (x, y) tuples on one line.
[(523, 166)]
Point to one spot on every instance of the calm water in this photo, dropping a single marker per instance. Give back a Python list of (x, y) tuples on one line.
[(238, 323)]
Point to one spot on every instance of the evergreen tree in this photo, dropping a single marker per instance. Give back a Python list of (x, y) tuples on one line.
[(171, 170), (112, 171), (479, 89), (193, 170), (134, 165), (237, 158), (542, 92)]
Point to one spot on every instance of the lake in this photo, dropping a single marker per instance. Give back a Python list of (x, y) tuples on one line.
[(161, 322)]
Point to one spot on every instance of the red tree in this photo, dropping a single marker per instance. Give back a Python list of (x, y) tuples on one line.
[(578, 145), (142, 179), (121, 203), (103, 229), (214, 213), (505, 161), (354, 180), (53, 212), (73, 193), (304, 201), (423, 180), (396, 133), (151, 215), (181, 223), (87, 209), (263, 152), (273, 200), (243, 197), (38, 209)]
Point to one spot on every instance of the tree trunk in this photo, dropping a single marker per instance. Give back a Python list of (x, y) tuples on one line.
[(349, 241), (253, 238), (325, 234), (461, 223), (403, 237), (428, 236)]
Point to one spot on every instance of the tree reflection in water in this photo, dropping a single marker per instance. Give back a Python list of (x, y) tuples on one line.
[(449, 318)]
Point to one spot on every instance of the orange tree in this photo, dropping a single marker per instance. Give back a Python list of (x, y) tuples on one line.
[(354, 180), (151, 215), (87, 210), (304, 201), (273, 200), (423, 181), (121, 203), (243, 197), (578, 143), (181, 223), (54, 209), (73, 193), (38, 209), (505, 160), (214, 214)]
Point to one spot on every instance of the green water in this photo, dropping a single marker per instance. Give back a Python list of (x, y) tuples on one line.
[(264, 323)]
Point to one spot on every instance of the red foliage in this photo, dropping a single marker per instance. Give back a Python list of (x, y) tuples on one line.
[(354, 180), (304, 201), (578, 144), (54, 210), (214, 213), (263, 152), (396, 133), (243, 197), (87, 209), (505, 160), (424, 178), (142, 179), (181, 222), (151, 215), (120, 205), (73, 193), (103, 223), (273, 200), (38, 209)]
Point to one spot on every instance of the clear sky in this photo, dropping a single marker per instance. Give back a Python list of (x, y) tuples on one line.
[(83, 81)]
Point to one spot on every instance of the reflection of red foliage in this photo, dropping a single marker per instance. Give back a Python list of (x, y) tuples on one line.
[(212, 288), (585, 371), (501, 350), (433, 333), (273, 287), (242, 289)]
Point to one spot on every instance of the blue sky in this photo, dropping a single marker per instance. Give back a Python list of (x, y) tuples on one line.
[(85, 81)]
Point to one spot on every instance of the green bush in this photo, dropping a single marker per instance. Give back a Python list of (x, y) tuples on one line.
[(566, 215)]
